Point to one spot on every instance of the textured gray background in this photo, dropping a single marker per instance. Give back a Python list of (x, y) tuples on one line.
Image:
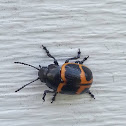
[(97, 27)]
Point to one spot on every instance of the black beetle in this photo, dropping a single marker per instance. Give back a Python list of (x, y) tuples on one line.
[(71, 78)]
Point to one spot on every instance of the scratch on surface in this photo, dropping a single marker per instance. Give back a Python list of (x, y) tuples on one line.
[(113, 78), (106, 47)]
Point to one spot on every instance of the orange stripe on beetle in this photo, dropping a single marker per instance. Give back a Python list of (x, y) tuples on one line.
[(63, 78), (82, 88), (63, 70), (84, 82), (60, 87)]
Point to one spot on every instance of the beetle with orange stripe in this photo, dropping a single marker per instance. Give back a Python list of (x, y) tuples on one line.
[(70, 78)]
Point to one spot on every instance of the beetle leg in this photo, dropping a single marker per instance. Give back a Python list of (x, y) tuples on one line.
[(54, 97), (85, 58), (58, 90), (48, 54), (81, 62), (77, 62), (60, 86), (90, 94), (76, 57), (44, 94), (40, 66)]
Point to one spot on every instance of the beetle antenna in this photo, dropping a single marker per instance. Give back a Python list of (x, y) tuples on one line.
[(27, 65), (26, 84)]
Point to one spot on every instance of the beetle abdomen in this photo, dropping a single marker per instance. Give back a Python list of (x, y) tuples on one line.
[(78, 78)]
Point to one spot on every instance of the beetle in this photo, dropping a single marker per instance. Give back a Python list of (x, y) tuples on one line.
[(70, 78)]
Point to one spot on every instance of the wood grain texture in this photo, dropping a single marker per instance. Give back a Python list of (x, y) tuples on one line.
[(98, 28)]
